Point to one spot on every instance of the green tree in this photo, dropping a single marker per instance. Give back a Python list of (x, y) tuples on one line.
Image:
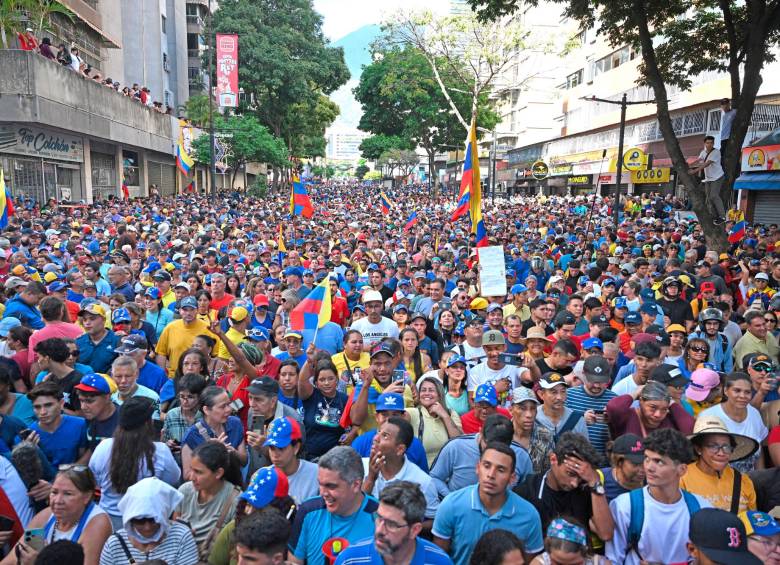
[(373, 175), (197, 110), (404, 107), (285, 65), (372, 147), (250, 141), (679, 40), (360, 171)]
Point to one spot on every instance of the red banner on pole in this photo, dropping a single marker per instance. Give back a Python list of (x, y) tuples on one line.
[(227, 70)]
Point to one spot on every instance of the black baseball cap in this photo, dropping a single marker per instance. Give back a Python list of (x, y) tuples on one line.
[(264, 386), (721, 536), (670, 375), (631, 447)]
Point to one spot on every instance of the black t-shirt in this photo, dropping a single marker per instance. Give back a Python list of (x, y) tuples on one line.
[(97, 431), (553, 503), (529, 323), (545, 368), (321, 418), (66, 384), (678, 310)]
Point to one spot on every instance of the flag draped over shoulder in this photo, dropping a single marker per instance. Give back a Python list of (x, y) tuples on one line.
[(6, 202), (470, 197), (386, 202), (300, 203), (183, 160), (313, 311), (737, 231)]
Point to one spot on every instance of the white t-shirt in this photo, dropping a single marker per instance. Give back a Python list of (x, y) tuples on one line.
[(15, 491), (303, 482), (372, 333), (664, 531), (409, 472), (483, 374), (625, 386), (713, 171), (472, 354)]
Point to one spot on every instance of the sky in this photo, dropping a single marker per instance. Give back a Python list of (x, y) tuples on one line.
[(343, 16)]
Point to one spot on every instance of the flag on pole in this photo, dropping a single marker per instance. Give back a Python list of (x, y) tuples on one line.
[(300, 203), (280, 246), (470, 198), (737, 231), (6, 202), (411, 221), (386, 203), (183, 160), (314, 311)]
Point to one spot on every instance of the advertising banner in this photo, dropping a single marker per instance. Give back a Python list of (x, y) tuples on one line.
[(227, 70)]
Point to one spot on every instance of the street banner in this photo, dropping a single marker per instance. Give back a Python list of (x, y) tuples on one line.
[(492, 271), (227, 70)]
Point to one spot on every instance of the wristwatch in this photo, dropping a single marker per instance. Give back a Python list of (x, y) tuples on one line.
[(598, 488)]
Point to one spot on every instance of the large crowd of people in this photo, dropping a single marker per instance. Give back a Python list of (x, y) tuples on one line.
[(160, 401)]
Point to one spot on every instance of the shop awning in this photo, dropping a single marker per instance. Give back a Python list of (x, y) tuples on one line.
[(758, 181)]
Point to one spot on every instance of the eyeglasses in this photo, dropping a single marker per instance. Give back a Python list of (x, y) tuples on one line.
[(726, 448), (74, 353), (699, 349), (389, 524), (769, 545)]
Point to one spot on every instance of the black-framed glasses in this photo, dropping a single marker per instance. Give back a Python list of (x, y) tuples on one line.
[(726, 448), (144, 520)]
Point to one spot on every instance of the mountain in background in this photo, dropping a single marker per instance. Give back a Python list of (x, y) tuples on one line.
[(357, 54)]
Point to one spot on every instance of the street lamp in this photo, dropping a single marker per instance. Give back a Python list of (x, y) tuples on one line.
[(624, 103), (212, 140)]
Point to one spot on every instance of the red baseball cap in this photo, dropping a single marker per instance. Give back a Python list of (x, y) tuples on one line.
[(707, 286), (260, 300)]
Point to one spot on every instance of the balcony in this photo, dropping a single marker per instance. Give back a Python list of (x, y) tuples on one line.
[(36, 90)]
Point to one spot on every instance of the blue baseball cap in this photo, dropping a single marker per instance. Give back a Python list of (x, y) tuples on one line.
[(188, 302), (293, 271), (456, 359), (258, 334), (282, 432), (153, 292), (609, 281), (510, 273), (648, 308), (404, 282), (120, 315), (307, 273), (267, 483), (486, 393), (647, 294), (399, 307), (592, 342), (57, 286), (390, 401), (518, 288), (460, 329), (633, 318), (93, 382), (7, 324), (584, 279)]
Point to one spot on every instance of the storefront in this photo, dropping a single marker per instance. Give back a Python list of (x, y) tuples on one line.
[(40, 163), (760, 180), (658, 180), (580, 184)]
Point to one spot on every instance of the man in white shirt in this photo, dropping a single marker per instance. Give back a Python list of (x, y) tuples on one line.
[(727, 116), (714, 175), (494, 370), (374, 326), (471, 349)]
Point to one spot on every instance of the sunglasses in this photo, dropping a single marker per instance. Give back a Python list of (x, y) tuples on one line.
[(699, 349), (762, 368), (140, 521), (74, 353), (72, 467)]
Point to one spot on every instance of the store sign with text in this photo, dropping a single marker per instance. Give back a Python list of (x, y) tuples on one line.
[(651, 176), (39, 142), (581, 180)]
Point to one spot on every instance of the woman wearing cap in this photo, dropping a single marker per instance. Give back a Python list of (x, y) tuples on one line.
[(677, 340), (268, 489), (289, 300), (323, 404), (711, 475), (71, 515), (696, 353), (401, 315), (739, 416), (537, 440), (146, 532), (567, 542), (209, 498), (414, 359), (156, 314), (454, 370), (434, 424), (217, 423), (131, 455), (656, 410), (704, 390), (763, 536)]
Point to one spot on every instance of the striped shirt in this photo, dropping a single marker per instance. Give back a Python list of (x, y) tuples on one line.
[(364, 552), (178, 546), (579, 400)]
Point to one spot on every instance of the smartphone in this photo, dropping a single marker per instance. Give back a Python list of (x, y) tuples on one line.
[(511, 359), (6, 523), (35, 538), (258, 423), (24, 434), (398, 375)]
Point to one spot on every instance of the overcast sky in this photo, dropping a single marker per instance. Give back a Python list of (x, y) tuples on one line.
[(344, 16)]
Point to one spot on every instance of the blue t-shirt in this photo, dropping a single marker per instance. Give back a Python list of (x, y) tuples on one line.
[(62, 446), (152, 376), (415, 453), (462, 519), (284, 356), (28, 315), (98, 355), (365, 553), (321, 416), (314, 526), (233, 429), (23, 409), (330, 338)]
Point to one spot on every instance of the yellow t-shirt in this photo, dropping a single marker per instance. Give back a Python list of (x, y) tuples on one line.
[(434, 433), (233, 335), (370, 422), (340, 361), (718, 491), (177, 338), (524, 313)]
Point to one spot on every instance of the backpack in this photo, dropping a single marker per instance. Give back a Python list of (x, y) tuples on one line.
[(637, 521)]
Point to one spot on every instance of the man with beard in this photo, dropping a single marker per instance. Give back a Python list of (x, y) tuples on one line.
[(398, 523)]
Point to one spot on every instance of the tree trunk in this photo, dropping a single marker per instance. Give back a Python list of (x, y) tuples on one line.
[(716, 235)]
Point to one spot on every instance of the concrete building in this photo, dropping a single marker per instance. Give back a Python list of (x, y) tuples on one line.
[(343, 144), (197, 17)]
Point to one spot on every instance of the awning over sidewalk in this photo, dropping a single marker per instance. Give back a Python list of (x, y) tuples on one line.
[(758, 181)]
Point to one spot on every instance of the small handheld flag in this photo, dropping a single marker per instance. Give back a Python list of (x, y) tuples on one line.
[(314, 311), (300, 203), (411, 221), (125, 190), (386, 203), (737, 231)]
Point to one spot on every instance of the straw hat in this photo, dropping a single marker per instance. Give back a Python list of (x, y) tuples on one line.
[(710, 425), (536, 332)]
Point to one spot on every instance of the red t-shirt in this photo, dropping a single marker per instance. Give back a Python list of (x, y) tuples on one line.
[(216, 304), (239, 394), (471, 424), (339, 311)]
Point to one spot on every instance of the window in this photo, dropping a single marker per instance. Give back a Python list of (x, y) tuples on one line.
[(614, 60), (574, 79), (166, 64), (162, 23), (130, 168)]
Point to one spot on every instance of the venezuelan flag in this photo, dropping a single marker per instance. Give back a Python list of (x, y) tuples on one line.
[(386, 203), (314, 311), (6, 202), (737, 231), (300, 203), (471, 166), (411, 221), (183, 159)]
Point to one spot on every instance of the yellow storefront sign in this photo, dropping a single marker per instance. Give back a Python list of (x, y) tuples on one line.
[(652, 176), (635, 159)]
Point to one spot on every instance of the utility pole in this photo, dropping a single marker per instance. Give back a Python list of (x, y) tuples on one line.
[(493, 170), (213, 160), (624, 103)]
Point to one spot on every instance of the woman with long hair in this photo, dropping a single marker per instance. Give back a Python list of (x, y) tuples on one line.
[(131, 455), (350, 362), (445, 324), (210, 497), (217, 423), (456, 398), (323, 404), (233, 285), (288, 302), (433, 423), (415, 360), (696, 352), (196, 285), (205, 312), (193, 361), (71, 515), (157, 315), (179, 419), (235, 379)]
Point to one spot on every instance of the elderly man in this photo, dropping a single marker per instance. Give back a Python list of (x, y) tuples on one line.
[(757, 339), (119, 278), (150, 375)]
